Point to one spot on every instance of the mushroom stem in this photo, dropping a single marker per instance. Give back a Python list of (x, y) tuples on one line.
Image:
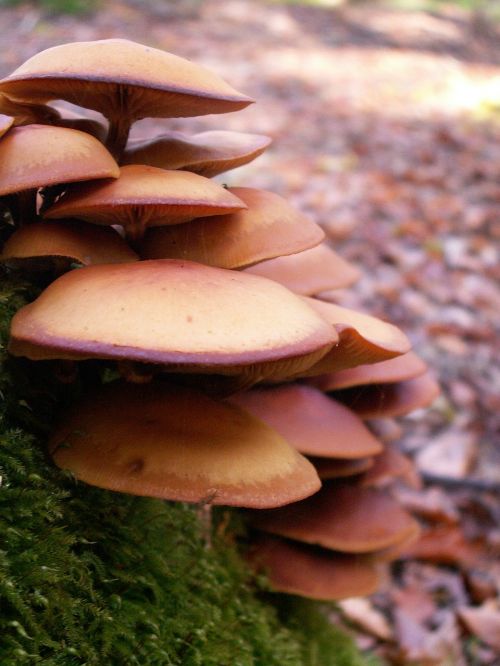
[(119, 128), (204, 513)]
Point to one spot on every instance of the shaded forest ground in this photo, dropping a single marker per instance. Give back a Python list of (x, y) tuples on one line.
[(387, 131)]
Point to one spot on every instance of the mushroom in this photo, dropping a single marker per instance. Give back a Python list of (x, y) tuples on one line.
[(123, 80), (342, 517), (268, 227), (362, 339), (145, 196), (207, 154), (27, 113), (390, 400), (198, 318), (176, 443), (398, 369), (387, 466), (312, 572), (338, 468), (310, 421), (35, 156), (57, 245), (309, 272)]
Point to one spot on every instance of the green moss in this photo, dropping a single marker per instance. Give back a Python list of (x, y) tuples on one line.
[(93, 577)]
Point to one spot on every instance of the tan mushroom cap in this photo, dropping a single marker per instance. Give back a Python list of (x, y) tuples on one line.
[(342, 517), (65, 242), (337, 468), (268, 227), (207, 154), (312, 423), (389, 465), (315, 573), (169, 312), (389, 400), (40, 155), (146, 196), (117, 76), (309, 272), (176, 443), (362, 339), (6, 123), (406, 366)]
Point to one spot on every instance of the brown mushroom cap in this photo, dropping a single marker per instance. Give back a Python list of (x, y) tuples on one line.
[(117, 76), (389, 465), (342, 517), (207, 154), (145, 196), (406, 366), (389, 400), (309, 272), (310, 422), (268, 227), (62, 243), (6, 123), (170, 312), (362, 339), (337, 468), (316, 573), (178, 444), (40, 155)]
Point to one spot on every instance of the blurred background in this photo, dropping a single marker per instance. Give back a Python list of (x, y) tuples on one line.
[(386, 125)]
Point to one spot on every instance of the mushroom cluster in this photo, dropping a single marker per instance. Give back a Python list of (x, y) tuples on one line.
[(235, 384)]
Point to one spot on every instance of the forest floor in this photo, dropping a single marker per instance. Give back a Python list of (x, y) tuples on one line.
[(386, 129)]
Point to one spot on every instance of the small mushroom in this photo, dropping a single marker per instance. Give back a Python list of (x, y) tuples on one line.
[(268, 227), (207, 154), (57, 245), (389, 465), (390, 400), (312, 572), (398, 369), (123, 80), (35, 156), (338, 468), (310, 421), (309, 272), (175, 443), (342, 517), (145, 196)]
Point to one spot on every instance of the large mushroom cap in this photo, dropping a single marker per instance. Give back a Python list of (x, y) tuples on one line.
[(40, 155), (177, 443), (62, 243), (117, 76), (311, 422), (207, 154), (146, 196), (268, 227), (396, 369), (169, 312), (309, 272), (315, 573), (342, 517)]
